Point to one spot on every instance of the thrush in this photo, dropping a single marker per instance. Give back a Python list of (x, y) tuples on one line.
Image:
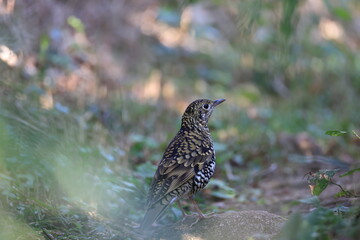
[(187, 165)]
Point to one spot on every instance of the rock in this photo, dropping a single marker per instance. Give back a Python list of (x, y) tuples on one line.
[(252, 225)]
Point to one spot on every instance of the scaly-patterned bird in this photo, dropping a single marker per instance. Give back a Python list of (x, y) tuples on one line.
[(187, 164)]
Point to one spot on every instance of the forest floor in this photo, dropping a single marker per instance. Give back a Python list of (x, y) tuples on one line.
[(90, 94)]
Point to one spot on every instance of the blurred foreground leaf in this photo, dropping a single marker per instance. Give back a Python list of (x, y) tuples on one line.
[(146, 170), (321, 223), (12, 228)]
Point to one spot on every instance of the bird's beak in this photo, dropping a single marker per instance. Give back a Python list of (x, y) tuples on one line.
[(217, 102)]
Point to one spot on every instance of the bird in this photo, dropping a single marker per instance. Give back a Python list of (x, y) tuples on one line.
[(187, 165)]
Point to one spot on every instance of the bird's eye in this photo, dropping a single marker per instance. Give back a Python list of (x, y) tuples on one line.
[(206, 106)]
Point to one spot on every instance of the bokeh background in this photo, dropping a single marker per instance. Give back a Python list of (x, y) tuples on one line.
[(92, 91)]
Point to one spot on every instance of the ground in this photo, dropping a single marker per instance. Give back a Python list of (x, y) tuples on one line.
[(92, 93)]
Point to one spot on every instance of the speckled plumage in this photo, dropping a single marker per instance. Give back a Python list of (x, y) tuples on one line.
[(187, 164)]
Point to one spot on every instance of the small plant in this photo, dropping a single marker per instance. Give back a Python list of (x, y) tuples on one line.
[(319, 181), (340, 222), (339, 133)]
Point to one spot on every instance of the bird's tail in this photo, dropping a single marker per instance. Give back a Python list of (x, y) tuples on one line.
[(151, 215)]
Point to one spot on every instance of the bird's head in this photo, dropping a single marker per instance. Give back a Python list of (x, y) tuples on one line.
[(197, 114)]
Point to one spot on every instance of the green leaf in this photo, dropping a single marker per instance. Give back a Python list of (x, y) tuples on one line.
[(350, 172), (335, 133), (44, 43), (342, 193), (311, 200), (219, 147), (44, 46), (146, 170), (223, 194), (320, 186), (76, 23), (342, 13), (289, 13), (329, 173), (169, 16), (6, 177), (221, 189), (319, 181)]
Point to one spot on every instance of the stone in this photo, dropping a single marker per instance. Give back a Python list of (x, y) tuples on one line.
[(254, 225)]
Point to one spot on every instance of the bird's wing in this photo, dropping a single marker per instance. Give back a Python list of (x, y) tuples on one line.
[(184, 156)]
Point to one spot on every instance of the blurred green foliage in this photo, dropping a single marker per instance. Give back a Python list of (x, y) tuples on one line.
[(98, 91), (322, 223), (76, 24)]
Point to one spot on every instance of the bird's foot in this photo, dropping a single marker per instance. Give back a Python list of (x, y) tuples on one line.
[(186, 216), (199, 217), (196, 221), (209, 215)]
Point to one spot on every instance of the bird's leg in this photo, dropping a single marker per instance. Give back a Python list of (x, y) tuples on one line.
[(200, 214), (185, 215), (182, 208)]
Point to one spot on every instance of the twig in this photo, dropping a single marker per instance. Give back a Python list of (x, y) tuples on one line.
[(347, 193), (356, 134)]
